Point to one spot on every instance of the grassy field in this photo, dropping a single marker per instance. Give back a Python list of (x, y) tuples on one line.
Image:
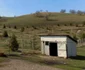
[(77, 63), (55, 18), (24, 39), (35, 26)]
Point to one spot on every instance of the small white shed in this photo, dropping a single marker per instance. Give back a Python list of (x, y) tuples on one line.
[(58, 45)]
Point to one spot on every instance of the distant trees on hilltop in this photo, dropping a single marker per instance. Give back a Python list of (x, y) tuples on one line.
[(63, 11), (47, 15), (79, 12), (41, 14), (72, 11)]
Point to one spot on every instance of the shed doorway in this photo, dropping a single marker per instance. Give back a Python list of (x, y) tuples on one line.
[(53, 49)]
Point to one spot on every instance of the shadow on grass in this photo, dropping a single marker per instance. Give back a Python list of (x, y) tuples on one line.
[(78, 57), (15, 55), (50, 62)]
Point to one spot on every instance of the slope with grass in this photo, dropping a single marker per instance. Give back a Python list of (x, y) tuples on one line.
[(39, 25), (54, 18)]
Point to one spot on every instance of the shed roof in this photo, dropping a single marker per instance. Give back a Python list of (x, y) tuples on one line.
[(62, 36)]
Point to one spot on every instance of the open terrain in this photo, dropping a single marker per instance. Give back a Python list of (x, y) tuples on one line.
[(15, 64), (29, 40), (42, 62), (40, 19)]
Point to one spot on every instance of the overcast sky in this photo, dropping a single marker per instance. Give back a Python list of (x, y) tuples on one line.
[(22, 7)]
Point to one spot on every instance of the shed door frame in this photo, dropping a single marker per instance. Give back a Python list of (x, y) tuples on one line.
[(67, 50), (53, 51)]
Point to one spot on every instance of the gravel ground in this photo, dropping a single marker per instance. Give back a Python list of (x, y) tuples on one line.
[(15, 64)]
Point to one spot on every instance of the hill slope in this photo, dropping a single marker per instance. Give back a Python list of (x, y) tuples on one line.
[(54, 18)]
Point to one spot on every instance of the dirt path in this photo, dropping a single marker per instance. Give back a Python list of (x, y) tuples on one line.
[(15, 64)]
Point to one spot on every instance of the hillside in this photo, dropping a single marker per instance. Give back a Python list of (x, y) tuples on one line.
[(54, 18), (29, 28)]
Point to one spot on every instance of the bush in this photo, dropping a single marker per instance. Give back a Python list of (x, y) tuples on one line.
[(5, 34), (58, 24), (4, 26), (9, 26), (65, 24), (83, 23), (75, 37), (33, 42), (15, 27), (22, 29), (34, 27), (3, 55), (13, 44), (27, 26), (70, 24), (82, 36)]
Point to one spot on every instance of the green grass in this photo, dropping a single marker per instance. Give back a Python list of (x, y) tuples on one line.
[(32, 20), (76, 63), (2, 59), (38, 26)]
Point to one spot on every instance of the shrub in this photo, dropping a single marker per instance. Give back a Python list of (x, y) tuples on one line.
[(75, 38), (9, 26), (15, 27), (27, 26), (83, 23), (76, 25), (22, 29), (3, 55), (33, 42), (82, 36), (13, 44), (34, 27), (4, 26), (65, 24), (58, 24), (5, 34)]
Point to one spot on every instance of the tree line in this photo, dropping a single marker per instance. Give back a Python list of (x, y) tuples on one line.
[(73, 11), (61, 11)]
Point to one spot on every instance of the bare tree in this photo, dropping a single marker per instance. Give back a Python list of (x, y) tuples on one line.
[(72, 11), (62, 11), (39, 13), (79, 12)]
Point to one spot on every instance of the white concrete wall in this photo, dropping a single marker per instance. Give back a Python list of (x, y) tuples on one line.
[(42, 47), (62, 50), (61, 44), (71, 47), (47, 49), (53, 38)]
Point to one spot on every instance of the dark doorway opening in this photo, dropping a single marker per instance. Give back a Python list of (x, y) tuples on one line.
[(53, 49)]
